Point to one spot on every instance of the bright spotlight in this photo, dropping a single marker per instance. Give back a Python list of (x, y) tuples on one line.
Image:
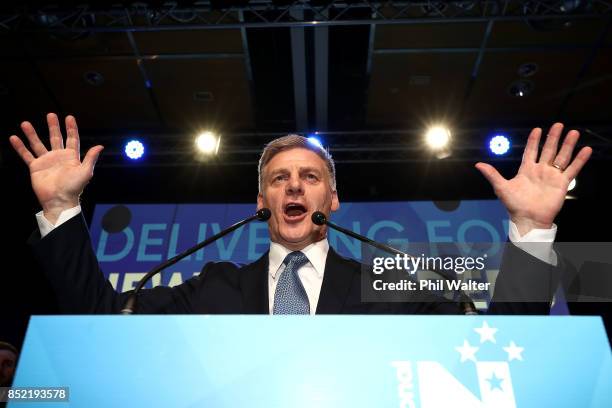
[(134, 149), (572, 185), (499, 145), (208, 143), (315, 141), (438, 137)]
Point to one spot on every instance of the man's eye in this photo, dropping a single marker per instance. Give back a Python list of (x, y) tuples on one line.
[(279, 178), (312, 177)]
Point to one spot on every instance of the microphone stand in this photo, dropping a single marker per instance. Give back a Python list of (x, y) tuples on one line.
[(130, 305), (465, 303)]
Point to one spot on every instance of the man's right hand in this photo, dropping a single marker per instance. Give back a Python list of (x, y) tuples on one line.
[(58, 176)]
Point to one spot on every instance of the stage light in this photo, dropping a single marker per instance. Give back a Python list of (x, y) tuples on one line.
[(208, 143), (499, 145), (134, 149), (521, 88), (315, 141), (438, 137)]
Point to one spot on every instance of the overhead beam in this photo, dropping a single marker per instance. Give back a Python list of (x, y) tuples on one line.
[(145, 77), (379, 51), (321, 71), (125, 57), (291, 24), (247, 65), (476, 67), (298, 60), (265, 13), (584, 69)]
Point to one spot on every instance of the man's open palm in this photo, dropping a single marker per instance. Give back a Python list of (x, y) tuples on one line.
[(58, 176), (536, 194)]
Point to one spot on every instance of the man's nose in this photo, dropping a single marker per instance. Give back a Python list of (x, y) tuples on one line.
[(294, 186)]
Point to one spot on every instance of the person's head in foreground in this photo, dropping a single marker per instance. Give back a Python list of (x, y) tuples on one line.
[(296, 178), (8, 361)]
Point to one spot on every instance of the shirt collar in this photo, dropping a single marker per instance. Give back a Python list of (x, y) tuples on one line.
[(315, 252)]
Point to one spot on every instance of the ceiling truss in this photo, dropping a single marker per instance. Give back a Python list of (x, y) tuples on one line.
[(267, 13)]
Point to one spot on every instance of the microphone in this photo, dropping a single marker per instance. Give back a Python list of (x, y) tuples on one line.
[(466, 305), (130, 306)]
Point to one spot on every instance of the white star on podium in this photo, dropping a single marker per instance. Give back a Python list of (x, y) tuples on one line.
[(467, 352), (486, 333), (514, 351)]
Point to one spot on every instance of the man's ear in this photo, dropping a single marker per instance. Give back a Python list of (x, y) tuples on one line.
[(260, 203), (335, 204)]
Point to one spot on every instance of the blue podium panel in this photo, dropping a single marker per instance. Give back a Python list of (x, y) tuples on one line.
[(319, 361)]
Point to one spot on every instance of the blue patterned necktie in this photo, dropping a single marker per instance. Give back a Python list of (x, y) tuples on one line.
[(290, 296)]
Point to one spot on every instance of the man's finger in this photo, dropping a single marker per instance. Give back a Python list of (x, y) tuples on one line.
[(37, 146), (55, 133), (21, 150), (579, 161), (530, 154), (92, 157), (549, 151), (72, 135), (491, 174), (565, 154)]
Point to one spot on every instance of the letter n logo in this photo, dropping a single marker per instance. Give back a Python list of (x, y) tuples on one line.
[(439, 388)]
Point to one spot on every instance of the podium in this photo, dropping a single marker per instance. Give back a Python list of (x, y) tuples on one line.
[(318, 361)]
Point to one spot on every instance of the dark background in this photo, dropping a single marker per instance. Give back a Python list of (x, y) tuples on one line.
[(165, 73)]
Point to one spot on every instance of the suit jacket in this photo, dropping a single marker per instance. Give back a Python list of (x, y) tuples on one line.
[(68, 260)]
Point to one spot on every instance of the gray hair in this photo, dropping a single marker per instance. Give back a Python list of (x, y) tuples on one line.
[(293, 141)]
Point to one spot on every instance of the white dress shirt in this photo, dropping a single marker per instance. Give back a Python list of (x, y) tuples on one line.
[(311, 274)]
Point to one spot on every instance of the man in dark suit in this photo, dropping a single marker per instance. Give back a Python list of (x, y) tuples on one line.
[(300, 274)]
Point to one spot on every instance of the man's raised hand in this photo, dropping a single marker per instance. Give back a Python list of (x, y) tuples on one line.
[(536, 194), (58, 176)]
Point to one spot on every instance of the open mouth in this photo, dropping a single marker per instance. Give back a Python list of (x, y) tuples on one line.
[(295, 211)]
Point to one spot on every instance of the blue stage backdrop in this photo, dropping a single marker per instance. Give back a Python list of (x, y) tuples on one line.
[(131, 239)]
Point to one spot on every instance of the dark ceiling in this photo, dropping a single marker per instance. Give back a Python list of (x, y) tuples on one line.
[(165, 72), (370, 76)]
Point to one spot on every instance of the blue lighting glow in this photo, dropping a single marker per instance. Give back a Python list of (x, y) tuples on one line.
[(499, 145), (315, 141), (134, 149)]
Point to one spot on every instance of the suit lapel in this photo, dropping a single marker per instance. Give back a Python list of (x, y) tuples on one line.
[(254, 286), (337, 280)]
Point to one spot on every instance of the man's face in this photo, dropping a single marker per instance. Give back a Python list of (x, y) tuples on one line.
[(8, 360), (296, 183)]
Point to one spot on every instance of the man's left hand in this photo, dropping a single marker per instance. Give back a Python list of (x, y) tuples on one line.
[(536, 194)]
